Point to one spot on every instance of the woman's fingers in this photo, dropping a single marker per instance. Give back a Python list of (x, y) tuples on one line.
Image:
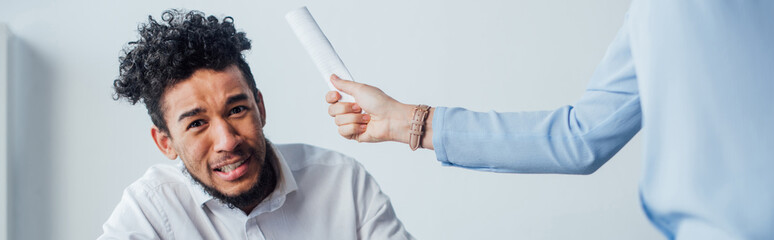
[(352, 131), (343, 108), (344, 119), (332, 97)]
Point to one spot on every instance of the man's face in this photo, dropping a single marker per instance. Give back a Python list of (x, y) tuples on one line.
[(216, 127)]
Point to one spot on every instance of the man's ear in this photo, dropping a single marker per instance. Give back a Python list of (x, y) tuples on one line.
[(164, 142), (261, 108)]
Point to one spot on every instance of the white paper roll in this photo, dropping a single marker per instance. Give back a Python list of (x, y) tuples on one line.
[(319, 48)]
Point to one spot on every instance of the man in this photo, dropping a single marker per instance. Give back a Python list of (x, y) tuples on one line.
[(232, 183), (696, 76)]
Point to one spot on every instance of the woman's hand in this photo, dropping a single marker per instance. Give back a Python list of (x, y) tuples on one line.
[(373, 117)]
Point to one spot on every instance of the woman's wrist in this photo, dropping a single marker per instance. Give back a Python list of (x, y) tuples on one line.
[(427, 138), (400, 123)]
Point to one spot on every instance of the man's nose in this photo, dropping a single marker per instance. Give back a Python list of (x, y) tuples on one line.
[(226, 139)]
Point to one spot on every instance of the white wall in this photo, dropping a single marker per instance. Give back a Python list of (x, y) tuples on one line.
[(3, 131), (73, 149)]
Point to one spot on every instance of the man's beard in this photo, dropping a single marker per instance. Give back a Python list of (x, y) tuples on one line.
[(266, 183)]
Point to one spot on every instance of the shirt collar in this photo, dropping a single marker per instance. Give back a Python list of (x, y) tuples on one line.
[(286, 184)]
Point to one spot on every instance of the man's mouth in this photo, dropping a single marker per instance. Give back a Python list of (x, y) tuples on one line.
[(234, 171), (230, 167)]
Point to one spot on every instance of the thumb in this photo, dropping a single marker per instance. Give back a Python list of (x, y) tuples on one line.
[(345, 86)]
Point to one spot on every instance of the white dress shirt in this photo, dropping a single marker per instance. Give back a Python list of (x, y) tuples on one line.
[(321, 194)]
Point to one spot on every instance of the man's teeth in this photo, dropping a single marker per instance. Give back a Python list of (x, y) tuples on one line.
[(231, 167)]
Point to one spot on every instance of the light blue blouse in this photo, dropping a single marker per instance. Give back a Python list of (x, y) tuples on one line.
[(698, 78)]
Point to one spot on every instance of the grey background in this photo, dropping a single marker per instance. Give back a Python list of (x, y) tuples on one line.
[(73, 149)]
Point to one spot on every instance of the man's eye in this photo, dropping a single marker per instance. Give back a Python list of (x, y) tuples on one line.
[(237, 109), (197, 123)]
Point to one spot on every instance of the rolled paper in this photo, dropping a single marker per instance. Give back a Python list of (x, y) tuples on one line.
[(319, 48)]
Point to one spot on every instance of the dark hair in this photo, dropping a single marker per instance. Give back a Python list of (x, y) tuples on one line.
[(173, 50)]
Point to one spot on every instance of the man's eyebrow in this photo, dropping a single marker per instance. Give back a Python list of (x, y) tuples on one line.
[(192, 112), (236, 98)]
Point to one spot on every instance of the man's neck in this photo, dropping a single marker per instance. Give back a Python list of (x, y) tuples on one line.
[(268, 178)]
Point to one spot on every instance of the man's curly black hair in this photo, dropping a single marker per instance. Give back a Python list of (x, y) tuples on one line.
[(173, 50)]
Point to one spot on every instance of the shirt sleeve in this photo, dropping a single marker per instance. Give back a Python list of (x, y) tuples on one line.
[(377, 219), (575, 139), (135, 217)]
